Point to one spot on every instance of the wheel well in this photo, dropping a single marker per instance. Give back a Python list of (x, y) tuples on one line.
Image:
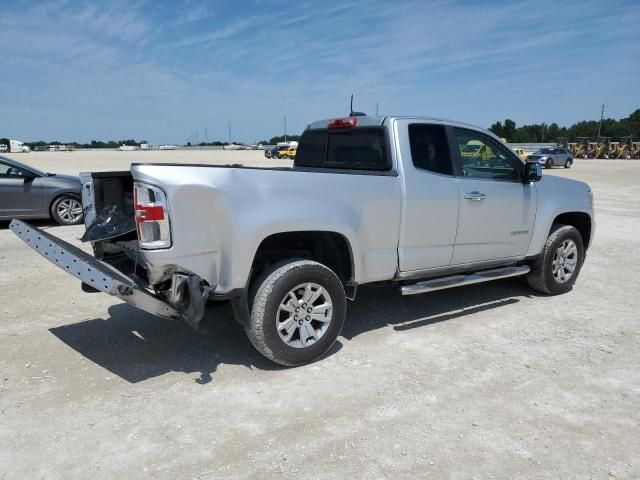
[(581, 221), (329, 248)]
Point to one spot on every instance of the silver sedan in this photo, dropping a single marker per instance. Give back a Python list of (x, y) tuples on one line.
[(552, 157), (26, 192)]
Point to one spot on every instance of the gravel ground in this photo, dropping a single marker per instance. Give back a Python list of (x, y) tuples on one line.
[(485, 381)]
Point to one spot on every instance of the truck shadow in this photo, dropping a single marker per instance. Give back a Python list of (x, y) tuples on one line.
[(137, 346), (376, 307)]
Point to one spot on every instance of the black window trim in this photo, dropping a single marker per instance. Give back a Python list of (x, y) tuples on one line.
[(458, 157)]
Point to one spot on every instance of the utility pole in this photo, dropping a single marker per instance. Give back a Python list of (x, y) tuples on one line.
[(600, 125), (376, 109), (206, 135), (229, 132), (285, 128)]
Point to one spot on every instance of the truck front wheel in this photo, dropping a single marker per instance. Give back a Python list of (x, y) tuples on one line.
[(558, 268), (297, 312)]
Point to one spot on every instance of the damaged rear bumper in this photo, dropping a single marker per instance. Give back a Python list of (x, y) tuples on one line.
[(184, 300)]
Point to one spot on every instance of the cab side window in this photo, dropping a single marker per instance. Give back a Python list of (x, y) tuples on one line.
[(429, 149), (486, 158)]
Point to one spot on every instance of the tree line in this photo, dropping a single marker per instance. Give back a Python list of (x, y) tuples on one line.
[(92, 144), (615, 130)]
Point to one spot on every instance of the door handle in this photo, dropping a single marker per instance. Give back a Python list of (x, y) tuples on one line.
[(475, 196)]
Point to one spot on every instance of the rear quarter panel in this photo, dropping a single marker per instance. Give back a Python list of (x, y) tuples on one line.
[(219, 217)]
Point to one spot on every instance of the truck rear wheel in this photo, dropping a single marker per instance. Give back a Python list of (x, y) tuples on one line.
[(560, 263), (297, 312)]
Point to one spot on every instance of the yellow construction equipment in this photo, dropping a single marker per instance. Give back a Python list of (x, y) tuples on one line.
[(582, 148), (521, 153), (603, 149), (613, 151), (598, 150), (573, 148), (625, 149)]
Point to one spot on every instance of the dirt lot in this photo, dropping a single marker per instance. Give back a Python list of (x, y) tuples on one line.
[(487, 381)]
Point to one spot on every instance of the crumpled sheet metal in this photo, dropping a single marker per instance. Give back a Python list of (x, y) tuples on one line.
[(111, 222)]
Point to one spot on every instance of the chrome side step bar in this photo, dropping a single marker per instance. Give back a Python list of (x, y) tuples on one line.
[(460, 280)]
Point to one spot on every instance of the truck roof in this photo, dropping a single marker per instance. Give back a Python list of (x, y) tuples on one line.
[(375, 121)]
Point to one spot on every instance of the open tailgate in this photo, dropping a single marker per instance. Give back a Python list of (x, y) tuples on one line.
[(90, 270)]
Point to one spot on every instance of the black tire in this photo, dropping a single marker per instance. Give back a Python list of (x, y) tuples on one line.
[(549, 163), (541, 277), (56, 214), (271, 289), (567, 163)]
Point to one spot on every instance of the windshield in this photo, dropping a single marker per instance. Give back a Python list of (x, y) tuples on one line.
[(24, 166), (543, 150)]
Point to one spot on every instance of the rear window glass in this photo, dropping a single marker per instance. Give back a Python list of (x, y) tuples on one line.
[(356, 149)]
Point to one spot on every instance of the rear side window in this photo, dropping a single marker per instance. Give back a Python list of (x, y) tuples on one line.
[(429, 149), (312, 148), (362, 148)]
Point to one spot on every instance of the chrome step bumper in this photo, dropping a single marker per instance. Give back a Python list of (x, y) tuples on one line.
[(460, 280), (91, 271)]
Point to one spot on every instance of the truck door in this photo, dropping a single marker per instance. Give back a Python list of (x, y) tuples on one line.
[(20, 193), (430, 202), (497, 210)]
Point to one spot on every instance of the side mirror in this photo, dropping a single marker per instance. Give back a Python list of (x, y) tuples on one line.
[(27, 175), (532, 172)]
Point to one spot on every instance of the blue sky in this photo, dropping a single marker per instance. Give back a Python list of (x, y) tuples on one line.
[(74, 70)]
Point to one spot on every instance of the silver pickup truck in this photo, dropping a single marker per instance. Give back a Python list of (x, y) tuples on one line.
[(425, 203)]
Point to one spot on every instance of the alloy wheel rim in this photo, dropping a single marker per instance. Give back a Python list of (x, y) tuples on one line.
[(565, 261), (304, 315), (69, 210)]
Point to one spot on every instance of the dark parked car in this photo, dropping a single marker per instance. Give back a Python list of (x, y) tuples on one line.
[(275, 152), (26, 192)]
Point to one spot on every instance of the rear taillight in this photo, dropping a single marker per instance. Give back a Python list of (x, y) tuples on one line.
[(152, 216)]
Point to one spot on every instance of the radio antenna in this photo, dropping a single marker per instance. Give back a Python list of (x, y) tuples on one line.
[(355, 114)]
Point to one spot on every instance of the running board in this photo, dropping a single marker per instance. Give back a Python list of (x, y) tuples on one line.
[(460, 280)]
